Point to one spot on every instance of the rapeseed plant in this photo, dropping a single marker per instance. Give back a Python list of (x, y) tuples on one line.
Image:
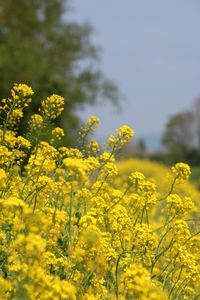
[(74, 226)]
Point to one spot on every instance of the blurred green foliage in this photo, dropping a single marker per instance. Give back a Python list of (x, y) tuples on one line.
[(195, 174), (182, 136), (41, 46)]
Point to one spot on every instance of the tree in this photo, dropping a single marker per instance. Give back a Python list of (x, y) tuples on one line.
[(142, 146), (179, 134), (41, 47), (196, 113)]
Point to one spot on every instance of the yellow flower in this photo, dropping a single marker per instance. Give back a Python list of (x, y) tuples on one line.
[(181, 171), (22, 90), (36, 122), (124, 135), (52, 106), (179, 205), (58, 133), (89, 126), (82, 224), (2, 178), (137, 179)]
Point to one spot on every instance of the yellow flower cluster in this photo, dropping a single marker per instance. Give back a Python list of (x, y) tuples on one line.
[(181, 171), (178, 204), (35, 122), (124, 135), (52, 106), (74, 224), (89, 127), (12, 108), (21, 90), (58, 133)]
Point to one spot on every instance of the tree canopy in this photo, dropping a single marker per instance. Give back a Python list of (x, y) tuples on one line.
[(41, 46), (182, 134)]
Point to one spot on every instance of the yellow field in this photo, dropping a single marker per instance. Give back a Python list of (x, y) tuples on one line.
[(74, 224)]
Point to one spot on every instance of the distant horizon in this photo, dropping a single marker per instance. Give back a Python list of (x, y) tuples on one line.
[(153, 141)]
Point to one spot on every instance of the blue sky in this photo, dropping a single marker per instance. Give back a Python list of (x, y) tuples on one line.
[(151, 49)]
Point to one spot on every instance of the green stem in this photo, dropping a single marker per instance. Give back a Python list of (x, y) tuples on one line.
[(157, 250), (6, 121), (117, 273), (70, 214), (173, 287), (120, 199), (35, 203)]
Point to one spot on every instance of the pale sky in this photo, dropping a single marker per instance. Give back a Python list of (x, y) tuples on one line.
[(151, 49)]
